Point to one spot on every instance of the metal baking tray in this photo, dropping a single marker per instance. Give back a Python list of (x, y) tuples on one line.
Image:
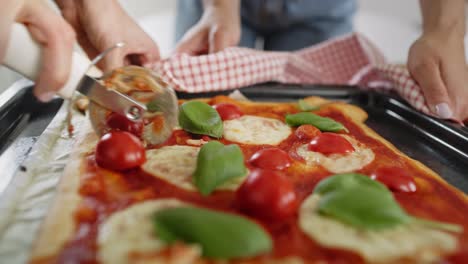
[(440, 145), (22, 121)]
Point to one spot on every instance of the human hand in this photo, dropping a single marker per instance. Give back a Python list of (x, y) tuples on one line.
[(101, 24), (218, 28), (51, 31), (437, 62), (437, 59)]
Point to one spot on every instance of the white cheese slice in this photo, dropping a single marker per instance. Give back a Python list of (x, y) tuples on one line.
[(176, 165), (339, 163), (128, 236), (405, 242), (256, 130), (196, 142)]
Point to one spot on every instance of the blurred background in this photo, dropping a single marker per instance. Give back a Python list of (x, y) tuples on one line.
[(391, 25)]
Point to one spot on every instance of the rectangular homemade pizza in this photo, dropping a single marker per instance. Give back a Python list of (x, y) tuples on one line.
[(250, 182)]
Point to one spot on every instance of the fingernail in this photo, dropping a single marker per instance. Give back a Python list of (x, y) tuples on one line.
[(46, 97), (443, 111)]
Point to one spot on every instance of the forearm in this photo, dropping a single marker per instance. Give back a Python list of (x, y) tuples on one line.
[(443, 16)]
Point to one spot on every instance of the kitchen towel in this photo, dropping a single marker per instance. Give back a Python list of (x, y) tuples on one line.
[(351, 60)]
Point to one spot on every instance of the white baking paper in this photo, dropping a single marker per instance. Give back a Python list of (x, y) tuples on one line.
[(27, 198)]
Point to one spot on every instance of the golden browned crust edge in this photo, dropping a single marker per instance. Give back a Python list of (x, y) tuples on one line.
[(414, 162), (359, 116), (355, 113), (58, 224)]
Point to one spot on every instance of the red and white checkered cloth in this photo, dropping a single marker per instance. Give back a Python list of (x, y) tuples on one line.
[(352, 60)]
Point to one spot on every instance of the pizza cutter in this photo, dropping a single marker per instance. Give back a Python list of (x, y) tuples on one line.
[(134, 92)]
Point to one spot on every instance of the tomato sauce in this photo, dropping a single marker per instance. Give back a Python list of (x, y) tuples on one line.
[(105, 192)]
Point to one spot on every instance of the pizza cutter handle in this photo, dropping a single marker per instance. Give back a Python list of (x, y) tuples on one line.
[(23, 55)]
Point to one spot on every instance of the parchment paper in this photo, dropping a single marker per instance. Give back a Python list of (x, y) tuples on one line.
[(28, 196), (26, 200)]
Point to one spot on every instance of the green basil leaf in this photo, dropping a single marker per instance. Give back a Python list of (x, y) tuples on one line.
[(338, 182), (200, 118), (217, 164), (322, 123), (220, 235), (363, 207), (357, 200), (304, 106)]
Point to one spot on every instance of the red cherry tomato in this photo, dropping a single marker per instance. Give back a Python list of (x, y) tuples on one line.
[(267, 194), (120, 150), (270, 158), (120, 122), (307, 132), (228, 111), (395, 178), (330, 143)]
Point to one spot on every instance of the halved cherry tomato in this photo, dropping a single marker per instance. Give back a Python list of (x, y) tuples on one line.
[(271, 158), (330, 143), (307, 132), (267, 194), (120, 150), (228, 111), (120, 122), (395, 178)]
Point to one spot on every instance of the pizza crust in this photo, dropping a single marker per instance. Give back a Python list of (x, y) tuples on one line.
[(59, 224), (359, 116)]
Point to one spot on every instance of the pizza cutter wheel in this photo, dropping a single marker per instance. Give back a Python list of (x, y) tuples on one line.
[(135, 92), (147, 88)]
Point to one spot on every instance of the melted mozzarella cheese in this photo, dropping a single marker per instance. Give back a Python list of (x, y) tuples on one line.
[(176, 164), (403, 242), (196, 142), (339, 163), (256, 130), (128, 236)]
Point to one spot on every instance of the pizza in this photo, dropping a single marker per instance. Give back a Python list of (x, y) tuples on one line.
[(252, 182)]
